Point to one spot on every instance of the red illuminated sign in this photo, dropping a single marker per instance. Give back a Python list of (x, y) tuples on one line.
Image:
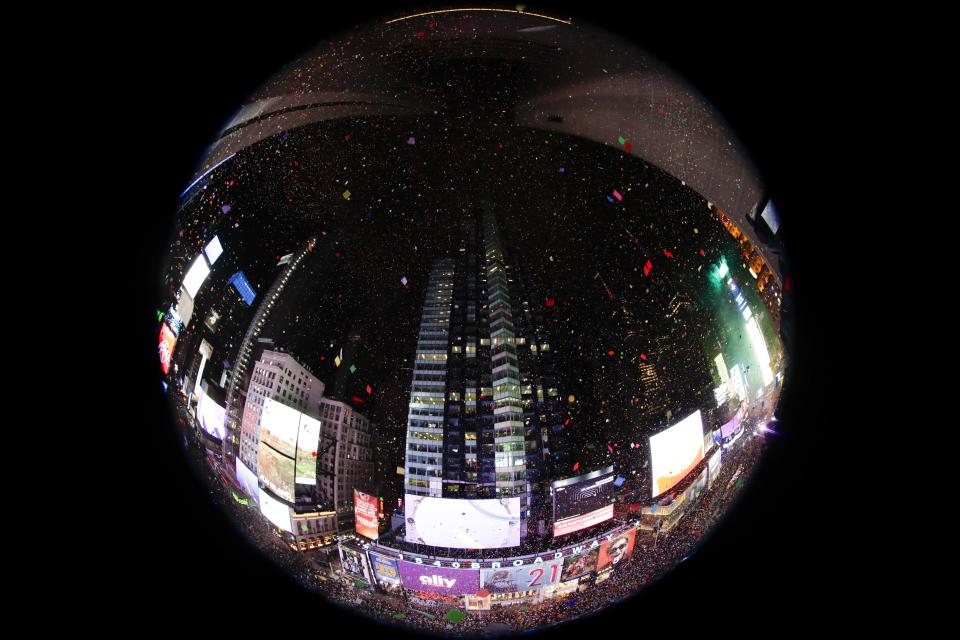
[(167, 341)]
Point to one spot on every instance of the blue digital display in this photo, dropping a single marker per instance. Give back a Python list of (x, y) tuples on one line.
[(243, 287)]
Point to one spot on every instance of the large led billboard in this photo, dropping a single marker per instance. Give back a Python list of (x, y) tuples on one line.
[(165, 348), (276, 470), (385, 569), (615, 550), (212, 416), (365, 512), (279, 425), (525, 578), (196, 274), (307, 442), (760, 350), (462, 524), (442, 580), (354, 563), (675, 452), (248, 480), (582, 501), (728, 429), (275, 511)]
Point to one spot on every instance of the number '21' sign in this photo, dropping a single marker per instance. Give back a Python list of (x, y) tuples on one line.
[(525, 578)]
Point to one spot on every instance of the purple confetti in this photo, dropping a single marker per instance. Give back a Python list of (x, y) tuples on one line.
[(226, 208), (411, 140)]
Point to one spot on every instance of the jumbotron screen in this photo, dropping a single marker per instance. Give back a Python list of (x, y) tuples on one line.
[(582, 501), (675, 452), (462, 524), (211, 415), (365, 514), (278, 427), (276, 471)]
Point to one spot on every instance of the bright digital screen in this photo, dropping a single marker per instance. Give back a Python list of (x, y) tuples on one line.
[(165, 348), (275, 511), (173, 319), (578, 565), (276, 471), (354, 564), (582, 501), (760, 350), (212, 416), (726, 430), (213, 249), (279, 425), (385, 569), (307, 443), (675, 452), (185, 307), (441, 580), (248, 480), (365, 511), (196, 274), (525, 578), (616, 550), (462, 524), (243, 287)]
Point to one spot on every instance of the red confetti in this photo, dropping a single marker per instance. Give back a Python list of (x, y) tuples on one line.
[(702, 252), (420, 34), (313, 453), (628, 147), (357, 399), (667, 253), (551, 302), (346, 138), (566, 422), (643, 356), (647, 267), (576, 466), (369, 389), (611, 352)]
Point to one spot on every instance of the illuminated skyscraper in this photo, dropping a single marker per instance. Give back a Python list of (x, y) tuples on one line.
[(484, 401)]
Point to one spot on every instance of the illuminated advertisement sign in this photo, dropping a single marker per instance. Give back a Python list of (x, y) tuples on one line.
[(736, 378), (385, 569), (279, 425), (276, 471), (561, 588), (307, 443), (173, 319), (713, 467), (442, 580), (212, 320), (243, 287), (462, 524), (760, 350), (212, 416), (525, 578), (248, 480), (365, 511), (168, 341), (582, 501), (185, 307), (354, 563), (196, 274), (578, 565), (727, 430), (213, 249), (614, 551), (771, 217), (675, 452), (275, 511)]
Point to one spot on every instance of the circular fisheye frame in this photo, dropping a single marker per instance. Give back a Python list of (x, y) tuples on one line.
[(473, 321)]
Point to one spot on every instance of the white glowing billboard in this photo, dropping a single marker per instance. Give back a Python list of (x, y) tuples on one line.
[(211, 416), (196, 274), (307, 443), (676, 452), (213, 249), (279, 425), (462, 524), (276, 470), (248, 480), (275, 511), (760, 350)]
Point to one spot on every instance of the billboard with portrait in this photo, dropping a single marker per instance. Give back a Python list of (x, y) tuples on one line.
[(308, 440), (462, 524), (276, 470), (354, 563), (513, 579), (676, 452), (442, 580), (385, 569), (365, 512), (578, 565), (279, 425), (616, 550), (165, 348)]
